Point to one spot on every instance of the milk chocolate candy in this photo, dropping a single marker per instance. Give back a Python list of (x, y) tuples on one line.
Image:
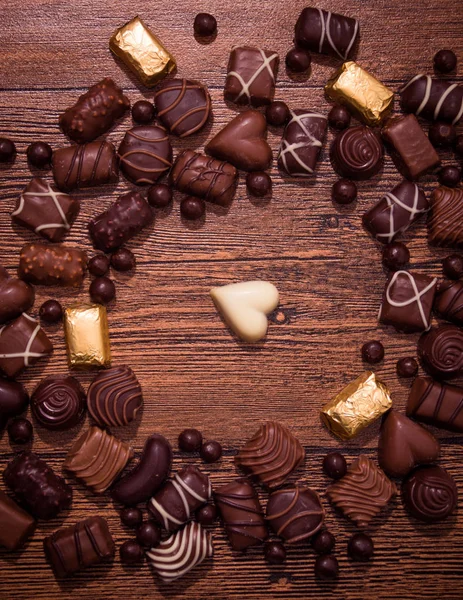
[(94, 112), (302, 142), (13, 400), (16, 526), (445, 223), (251, 76), (36, 486), (145, 154), (52, 265), (16, 296), (448, 302), (121, 222), (434, 99), (437, 404)]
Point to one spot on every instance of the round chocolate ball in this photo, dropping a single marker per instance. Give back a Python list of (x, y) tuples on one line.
[(449, 176), (206, 515), (275, 553), (360, 547), (323, 542), (258, 184), (442, 135), (51, 311), (7, 150), (132, 517), (453, 266), (123, 260), (20, 431), (143, 111), (277, 113), (395, 256), (407, 367), (190, 440), (131, 552), (445, 61), (192, 208), (372, 352), (430, 494), (39, 154), (160, 195), (344, 191), (98, 265), (102, 290), (459, 145), (205, 24), (326, 567), (339, 117), (298, 60), (211, 451), (334, 465), (149, 534)]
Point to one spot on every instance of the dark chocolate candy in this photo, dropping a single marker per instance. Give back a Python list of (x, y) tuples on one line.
[(37, 486), (160, 195), (58, 402), (434, 99), (183, 106), (407, 367), (206, 515), (192, 208), (98, 265), (298, 60), (52, 265), (448, 302), (301, 142), (445, 223), (430, 494), (277, 113), (395, 256), (123, 260), (94, 112), (126, 217), (259, 184), (205, 24), (131, 517), (344, 191), (372, 352), (190, 440), (51, 311), (16, 296), (211, 451), (251, 76), (39, 154), (13, 400), (357, 153), (7, 150), (335, 465), (450, 176), (437, 404), (131, 552), (275, 553), (102, 290), (149, 534), (360, 547), (441, 351), (442, 135), (323, 542), (326, 567), (143, 112), (16, 526), (452, 266), (445, 60), (145, 154), (20, 431)]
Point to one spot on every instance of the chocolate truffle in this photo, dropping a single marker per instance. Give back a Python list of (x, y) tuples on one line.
[(323, 542), (149, 534), (430, 494), (357, 153), (131, 552), (433, 99), (450, 176), (301, 143), (339, 117), (259, 184), (440, 350), (205, 25), (159, 195), (58, 402), (16, 296), (442, 135), (143, 112), (39, 154), (395, 256), (192, 208), (145, 154), (437, 404), (51, 311), (372, 352), (407, 367), (334, 465), (275, 553), (446, 217), (13, 400), (190, 440), (20, 431), (298, 60), (211, 451), (123, 260), (277, 113), (344, 191), (453, 266), (251, 76), (448, 302), (183, 106), (52, 265), (206, 515), (445, 61), (98, 265), (326, 567), (102, 290), (7, 150), (360, 547), (132, 517)]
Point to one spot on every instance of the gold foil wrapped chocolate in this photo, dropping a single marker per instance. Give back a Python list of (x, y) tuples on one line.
[(356, 406), (366, 97), (142, 52), (87, 336)]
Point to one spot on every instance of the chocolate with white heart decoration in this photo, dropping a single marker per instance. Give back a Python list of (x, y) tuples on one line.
[(242, 142), (301, 143), (16, 296), (251, 76)]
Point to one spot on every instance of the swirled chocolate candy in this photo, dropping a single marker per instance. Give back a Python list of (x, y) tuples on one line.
[(183, 106), (295, 513), (58, 402), (271, 455), (448, 302), (45, 211), (204, 177), (36, 486), (445, 222), (52, 265), (13, 400), (357, 153), (363, 492), (22, 343), (430, 494), (16, 526), (395, 212), (84, 166), (126, 217), (251, 76), (178, 499), (94, 112), (326, 32), (16, 296), (437, 404), (114, 397), (302, 142), (181, 552), (145, 154), (441, 351), (241, 513), (434, 99), (71, 549)]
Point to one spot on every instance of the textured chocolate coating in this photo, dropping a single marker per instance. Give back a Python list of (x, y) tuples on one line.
[(13, 400), (16, 296), (251, 76), (177, 500), (301, 143), (430, 494), (441, 351), (205, 177), (71, 549), (58, 402), (434, 99), (114, 397), (183, 106), (241, 513), (437, 404), (448, 302), (94, 112), (52, 265), (36, 486), (445, 222), (326, 32), (357, 153), (126, 217), (145, 154), (395, 212), (89, 165), (148, 475), (22, 343), (16, 526), (363, 492), (295, 513), (271, 455), (45, 211)]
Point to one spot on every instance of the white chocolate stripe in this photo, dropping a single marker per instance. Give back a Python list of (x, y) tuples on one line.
[(325, 31), (246, 86), (427, 94), (393, 201), (412, 80), (459, 115), (166, 517), (49, 194), (287, 148), (322, 34), (27, 354), (442, 99), (416, 298)]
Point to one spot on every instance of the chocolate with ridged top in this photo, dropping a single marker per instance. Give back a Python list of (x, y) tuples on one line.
[(434, 99), (145, 154), (430, 494), (448, 302), (52, 265), (16, 526), (437, 404), (445, 222), (357, 153), (441, 351), (251, 75), (183, 106), (16, 296), (58, 402)]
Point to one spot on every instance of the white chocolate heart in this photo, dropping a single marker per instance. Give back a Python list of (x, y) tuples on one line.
[(245, 307)]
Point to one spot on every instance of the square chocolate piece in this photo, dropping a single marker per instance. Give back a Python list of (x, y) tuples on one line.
[(445, 223), (407, 301), (251, 76)]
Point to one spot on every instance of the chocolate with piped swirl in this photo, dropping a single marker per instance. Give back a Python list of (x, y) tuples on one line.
[(430, 494), (441, 351), (435, 403), (183, 106), (445, 222), (448, 302), (434, 99), (271, 455), (145, 154), (114, 397), (363, 492), (58, 402), (357, 153), (241, 513)]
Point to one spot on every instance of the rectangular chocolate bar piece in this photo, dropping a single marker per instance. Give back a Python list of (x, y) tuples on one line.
[(302, 142), (52, 265), (251, 76), (16, 525), (437, 404), (445, 223), (87, 336)]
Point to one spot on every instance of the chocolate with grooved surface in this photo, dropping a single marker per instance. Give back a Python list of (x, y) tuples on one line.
[(52, 265), (437, 404), (357, 153), (434, 99), (58, 402), (183, 106), (445, 222), (430, 494), (441, 351), (145, 154), (448, 302), (16, 296), (302, 142), (251, 76), (16, 526)]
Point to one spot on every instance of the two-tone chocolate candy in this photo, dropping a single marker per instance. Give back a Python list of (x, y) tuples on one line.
[(145, 154), (445, 223), (437, 404), (251, 76), (302, 142), (434, 99), (52, 265)]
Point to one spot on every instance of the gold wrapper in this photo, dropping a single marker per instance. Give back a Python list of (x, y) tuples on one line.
[(87, 336), (142, 52), (368, 99), (356, 406)]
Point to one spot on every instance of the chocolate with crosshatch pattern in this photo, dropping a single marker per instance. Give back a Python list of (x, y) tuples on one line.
[(302, 142), (251, 76)]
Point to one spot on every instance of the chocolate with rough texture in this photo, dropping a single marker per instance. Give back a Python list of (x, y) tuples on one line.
[(302, 142), (434, 99), (145, 154), (52, 265), (16, 296), (16, 526), (430, 494), (448, 302), (357, 153), (58, 402), (437, 404), (251, 76), (183, 106), (441, 351), (445, 222)]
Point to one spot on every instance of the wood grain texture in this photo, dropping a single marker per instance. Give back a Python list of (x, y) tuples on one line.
[(164, 325)]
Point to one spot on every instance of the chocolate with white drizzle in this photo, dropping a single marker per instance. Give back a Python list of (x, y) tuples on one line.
[(395, 212), (301, 143), (433, 99), (175, 502)]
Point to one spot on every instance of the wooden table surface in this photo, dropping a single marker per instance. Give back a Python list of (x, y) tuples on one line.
[(163, 324)]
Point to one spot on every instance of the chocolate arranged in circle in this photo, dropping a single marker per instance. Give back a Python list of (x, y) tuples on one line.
[(145, 154), (430, 494), (183, 106), (357, 153), (58, 402), (441, 351), (16, 296), (434, 99)]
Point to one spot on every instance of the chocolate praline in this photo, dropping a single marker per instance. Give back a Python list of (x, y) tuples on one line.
[(98, 265), (453, 266), (326, 567), (372, 352), (190, 440), (39, 154), (149, 534), (51, 311), (20, 431), (206, 515), (205, 24), (123, 260), (277, 113), (334, 465), (344, 191), (339, 117), (323, 542), (442, 135), (131, 552), (131, 517), (7, 150), (395, 256), (192, 208), (360, 547), (58, 402), (357, 153), (259, 184), (298, 60), (449, 176), (143, 112), (102, 290), (160, 195), (445, 61), (211, 451), (407, 367), (275, 553)]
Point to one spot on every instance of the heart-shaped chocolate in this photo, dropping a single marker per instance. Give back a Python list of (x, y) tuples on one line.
[(403, 444), (243, 142), (16, 296)]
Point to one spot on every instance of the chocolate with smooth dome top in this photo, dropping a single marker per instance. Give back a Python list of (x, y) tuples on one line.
[(430, 494), (16, 296), (58, 402)]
